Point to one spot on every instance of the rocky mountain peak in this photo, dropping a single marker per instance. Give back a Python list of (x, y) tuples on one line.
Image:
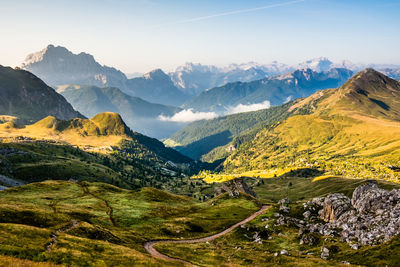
[(156, 74)]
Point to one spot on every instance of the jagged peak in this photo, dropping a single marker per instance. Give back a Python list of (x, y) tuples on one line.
[(156, 74)]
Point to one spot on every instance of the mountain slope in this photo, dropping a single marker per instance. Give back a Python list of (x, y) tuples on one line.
[(277, 90), (140, 115), (201, 137), (352, 131), (57, 65), (156, 87), (25, 96)]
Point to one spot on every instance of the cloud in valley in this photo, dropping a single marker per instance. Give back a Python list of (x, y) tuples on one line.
[(187, 115), (251, 107)]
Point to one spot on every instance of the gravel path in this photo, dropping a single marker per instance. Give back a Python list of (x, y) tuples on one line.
[(149, 246)]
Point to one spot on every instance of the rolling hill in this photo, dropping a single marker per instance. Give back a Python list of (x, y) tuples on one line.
[(352, 131), (25, 96), (276, 90)]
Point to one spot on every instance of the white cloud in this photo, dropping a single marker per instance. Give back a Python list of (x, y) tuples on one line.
[(246, 108), (187, 115), (288, 99)]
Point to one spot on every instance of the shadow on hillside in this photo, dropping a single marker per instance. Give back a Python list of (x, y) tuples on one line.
[(196, 149)]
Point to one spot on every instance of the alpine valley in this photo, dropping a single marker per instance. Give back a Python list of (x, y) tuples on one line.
[(241, 164)]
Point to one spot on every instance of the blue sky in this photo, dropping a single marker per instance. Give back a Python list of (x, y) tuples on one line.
[(140, 35)]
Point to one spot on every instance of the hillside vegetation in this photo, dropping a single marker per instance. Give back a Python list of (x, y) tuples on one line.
[(352, 131), (86, 224), (201, 137)]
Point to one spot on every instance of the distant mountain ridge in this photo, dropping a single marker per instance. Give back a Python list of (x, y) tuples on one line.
[(57, 65), (195, 78), (27, 97), (156, 87), (276, 90)]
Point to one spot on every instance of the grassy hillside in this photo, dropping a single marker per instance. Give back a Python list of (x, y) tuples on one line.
[(352, 131), (99, 224), (25, 96), (201, 137)]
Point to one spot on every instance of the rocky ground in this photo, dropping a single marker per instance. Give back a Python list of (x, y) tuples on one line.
[(370, 217)]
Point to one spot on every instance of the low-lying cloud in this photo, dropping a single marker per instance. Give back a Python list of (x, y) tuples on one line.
[(187, 115), (251, 107)]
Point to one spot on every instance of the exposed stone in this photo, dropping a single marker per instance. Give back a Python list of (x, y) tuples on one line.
[(334, 206), (284, 252), (372, 217), (234, 188), (324, 253), (308, 239)]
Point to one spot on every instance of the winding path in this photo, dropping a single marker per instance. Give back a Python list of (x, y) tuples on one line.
[(149, 245)]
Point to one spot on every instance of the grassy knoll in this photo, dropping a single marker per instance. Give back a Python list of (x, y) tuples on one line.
[(112, 223)]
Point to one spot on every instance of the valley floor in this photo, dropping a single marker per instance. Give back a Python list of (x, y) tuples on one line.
[(95, 224)]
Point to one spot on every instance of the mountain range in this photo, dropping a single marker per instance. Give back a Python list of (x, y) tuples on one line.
[(57, 66), (276, 90)]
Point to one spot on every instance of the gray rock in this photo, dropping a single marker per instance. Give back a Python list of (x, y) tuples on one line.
[(334, 206), (284, 252), (324, 253)]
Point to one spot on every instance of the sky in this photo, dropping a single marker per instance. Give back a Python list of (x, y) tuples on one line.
[(140, 35)]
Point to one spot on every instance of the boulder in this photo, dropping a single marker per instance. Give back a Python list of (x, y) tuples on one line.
[(235, 187), (334, 206), (371, 198)]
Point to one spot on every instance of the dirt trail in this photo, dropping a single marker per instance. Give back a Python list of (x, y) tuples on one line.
[(65, 229), (149, 246), (109, 209)]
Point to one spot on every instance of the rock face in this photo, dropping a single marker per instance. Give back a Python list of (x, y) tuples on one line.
[(234, 187), (371, 217), (57, 65), (334, 206)]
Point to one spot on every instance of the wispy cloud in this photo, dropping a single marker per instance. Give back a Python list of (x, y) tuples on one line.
[(188, 115), (246, 108), (229, 13)]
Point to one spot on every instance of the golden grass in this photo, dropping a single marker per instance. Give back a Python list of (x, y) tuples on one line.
[(15, 262)]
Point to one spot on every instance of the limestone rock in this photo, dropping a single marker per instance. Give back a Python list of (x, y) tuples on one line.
[(334, 206)]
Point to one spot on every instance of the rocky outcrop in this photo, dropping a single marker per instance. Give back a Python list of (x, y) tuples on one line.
[(334, 206), (371, 217), (234, 188)]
